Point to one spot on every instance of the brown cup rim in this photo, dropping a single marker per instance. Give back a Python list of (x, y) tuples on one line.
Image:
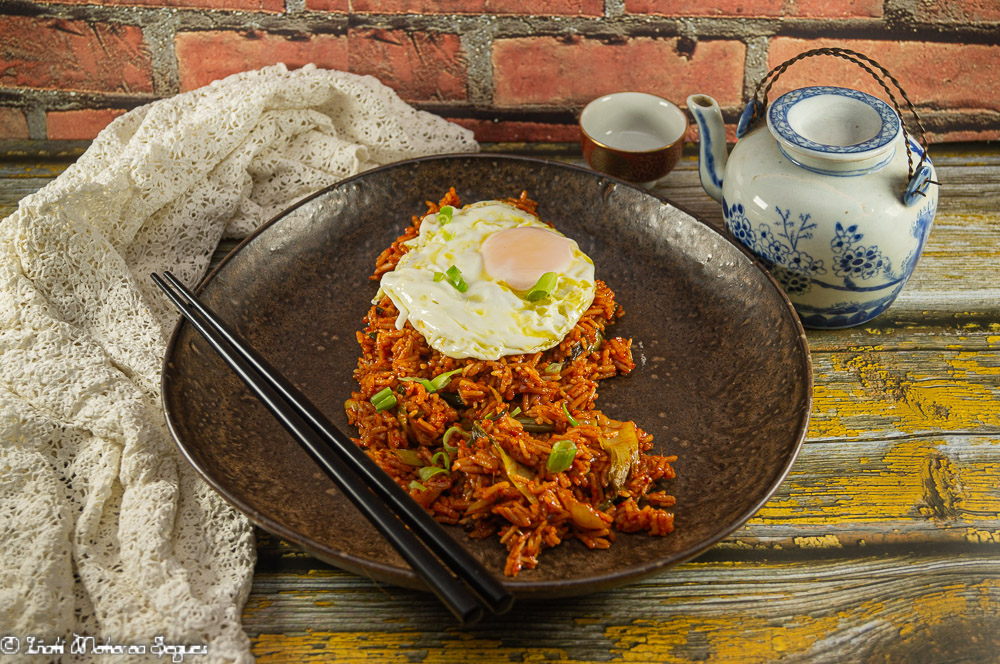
[(663, 148)]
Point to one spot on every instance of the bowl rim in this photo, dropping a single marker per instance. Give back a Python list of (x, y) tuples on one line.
[(643, 95), (405, 577)]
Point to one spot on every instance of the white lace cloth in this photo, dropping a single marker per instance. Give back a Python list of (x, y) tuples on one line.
[(105, 531)]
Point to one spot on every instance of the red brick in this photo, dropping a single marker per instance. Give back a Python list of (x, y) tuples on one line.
[(934, 75), (745, 8), (340, 6), (763, 9), (420, 66), (692, 135), (509, 7), (76, 55), (83, 124), (551, 71), (13, 124), (242, 5), (960, 11), (203, 57), (834, 8)]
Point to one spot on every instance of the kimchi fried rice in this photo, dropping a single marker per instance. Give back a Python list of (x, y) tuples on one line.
[(490, 447)]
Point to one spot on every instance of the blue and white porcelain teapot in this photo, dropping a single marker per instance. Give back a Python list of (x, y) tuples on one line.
[(830, 192)]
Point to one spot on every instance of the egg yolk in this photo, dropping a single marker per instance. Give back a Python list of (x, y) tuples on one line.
[(519, 256)]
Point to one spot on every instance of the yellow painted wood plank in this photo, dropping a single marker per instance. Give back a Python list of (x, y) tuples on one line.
[(870, 393), (914, 490), (915, 330), (903, 608), (44, 170)]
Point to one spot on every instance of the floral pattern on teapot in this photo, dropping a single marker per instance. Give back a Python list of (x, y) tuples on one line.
[(857, 263), (778, 249)]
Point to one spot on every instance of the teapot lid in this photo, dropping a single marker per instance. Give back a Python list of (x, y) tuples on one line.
[(833, 124)]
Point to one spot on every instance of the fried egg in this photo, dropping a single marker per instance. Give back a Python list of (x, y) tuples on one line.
[(472, 283)]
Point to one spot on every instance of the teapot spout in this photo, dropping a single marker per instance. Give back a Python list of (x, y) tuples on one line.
[(712, 155)]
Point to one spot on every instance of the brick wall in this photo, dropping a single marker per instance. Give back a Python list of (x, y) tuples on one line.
[(512, 70)]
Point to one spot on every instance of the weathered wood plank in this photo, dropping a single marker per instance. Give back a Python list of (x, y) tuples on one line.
[(14, 189), (871, 393), (898, 330), (44, 170), (902, 446), (929, 491), (903, 607), (968, 181)]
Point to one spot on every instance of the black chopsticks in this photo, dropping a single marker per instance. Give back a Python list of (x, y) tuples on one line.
[(420, 539)]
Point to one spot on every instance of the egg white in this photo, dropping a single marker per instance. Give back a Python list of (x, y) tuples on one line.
[(489, 320)]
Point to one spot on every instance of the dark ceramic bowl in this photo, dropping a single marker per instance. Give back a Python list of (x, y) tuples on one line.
[(723, 376)]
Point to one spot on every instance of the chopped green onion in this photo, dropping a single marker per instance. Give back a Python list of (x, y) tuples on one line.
[(454, 277), (444, 214), (428, 472), (542, 287), (446, 464), (531, 426), (384, 400), (555, 367), (572, 420), (454, 399), (561, 457), (435, 383), (423, 381), (439, 276), (515, 412), (448, 435), (417, 485), (409, 457), (441, 380)]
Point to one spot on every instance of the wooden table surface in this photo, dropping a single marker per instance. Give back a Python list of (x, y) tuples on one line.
[(882, 545)]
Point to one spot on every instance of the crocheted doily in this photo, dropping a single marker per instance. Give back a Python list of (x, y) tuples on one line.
[(105, 530)]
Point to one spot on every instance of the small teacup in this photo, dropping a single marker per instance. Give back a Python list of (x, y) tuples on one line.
[(632, 135)]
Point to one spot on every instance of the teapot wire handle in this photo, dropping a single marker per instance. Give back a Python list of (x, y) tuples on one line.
[(758, 103)]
